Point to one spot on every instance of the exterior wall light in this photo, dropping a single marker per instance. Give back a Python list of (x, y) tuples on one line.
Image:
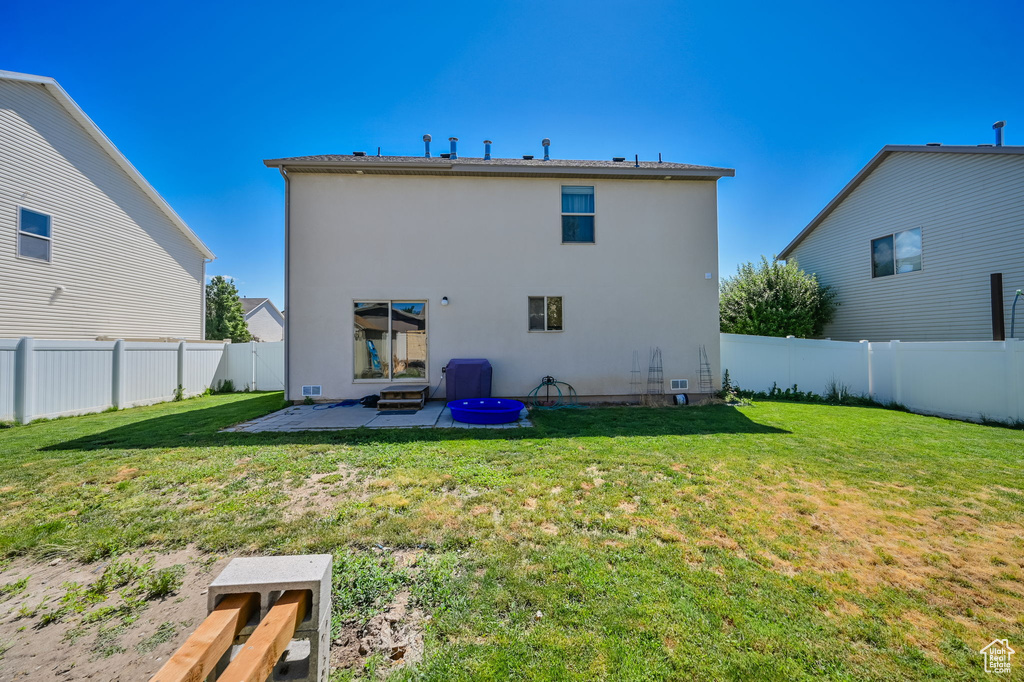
[(444, 300)]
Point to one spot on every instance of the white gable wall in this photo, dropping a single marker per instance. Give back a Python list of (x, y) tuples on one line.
[(127, 271), (488, 244), (970, 208)]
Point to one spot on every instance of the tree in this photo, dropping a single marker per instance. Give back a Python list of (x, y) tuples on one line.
[(775, 299), (224, 316)]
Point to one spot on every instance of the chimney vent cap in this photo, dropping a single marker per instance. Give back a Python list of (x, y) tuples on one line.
[(427, 138)]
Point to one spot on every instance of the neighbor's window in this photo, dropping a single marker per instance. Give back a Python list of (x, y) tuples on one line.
[(34, 238), (545, 313), (896, 253), (390, 340), (577, 215)]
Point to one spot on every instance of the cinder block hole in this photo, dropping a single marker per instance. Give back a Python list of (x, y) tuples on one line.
[(254, 613), (295, 662), (274, 595)]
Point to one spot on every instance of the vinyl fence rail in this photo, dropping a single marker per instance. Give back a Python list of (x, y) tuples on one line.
[(972, 380), (45, 378)]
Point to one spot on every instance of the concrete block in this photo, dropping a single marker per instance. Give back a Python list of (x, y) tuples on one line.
[(308, 655), (270, 576)]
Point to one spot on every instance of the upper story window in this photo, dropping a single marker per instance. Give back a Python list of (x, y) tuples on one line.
[(577, 215), (896, 253), (34, 238)]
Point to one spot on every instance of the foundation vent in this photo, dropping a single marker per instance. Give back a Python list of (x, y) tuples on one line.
[(680, 384), (311, 391)]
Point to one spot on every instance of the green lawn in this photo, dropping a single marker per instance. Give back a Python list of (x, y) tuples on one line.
[(775, 541)]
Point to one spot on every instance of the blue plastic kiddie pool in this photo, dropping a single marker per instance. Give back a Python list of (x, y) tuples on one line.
[(486, 410)]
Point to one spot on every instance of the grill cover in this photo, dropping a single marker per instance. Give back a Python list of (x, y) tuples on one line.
[(468, 378)]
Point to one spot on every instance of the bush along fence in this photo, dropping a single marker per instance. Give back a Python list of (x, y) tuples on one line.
[(45, 379), (973, 380)]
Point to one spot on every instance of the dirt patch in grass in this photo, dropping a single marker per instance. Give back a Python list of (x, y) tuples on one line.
[(320, 493), (390, 639), (98, 643)]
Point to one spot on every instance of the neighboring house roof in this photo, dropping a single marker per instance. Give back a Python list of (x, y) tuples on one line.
[(875, 162), (249, 305), (104, 142), (422, 165)]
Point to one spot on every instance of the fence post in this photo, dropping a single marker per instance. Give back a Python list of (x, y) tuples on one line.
[(867, 367), (1014, 382), (24, 380), (181, 367), (790, 340), (117, 375), (897, 378), (252, 358)]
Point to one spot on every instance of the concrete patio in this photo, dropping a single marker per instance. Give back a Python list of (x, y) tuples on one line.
[(324, 418)]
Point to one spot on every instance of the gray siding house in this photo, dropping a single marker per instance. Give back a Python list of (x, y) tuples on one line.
[(910, 243), (265, 321), (87, 247)]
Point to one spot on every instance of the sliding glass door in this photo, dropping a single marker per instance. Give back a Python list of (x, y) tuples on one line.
[(390, 340)]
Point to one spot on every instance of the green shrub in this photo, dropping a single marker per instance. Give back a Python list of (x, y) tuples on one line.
[(775, 299)]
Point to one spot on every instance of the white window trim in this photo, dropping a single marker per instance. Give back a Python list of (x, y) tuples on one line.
[(592, 215), (871, 250), (19, 232), (390, 302), (545, 330)]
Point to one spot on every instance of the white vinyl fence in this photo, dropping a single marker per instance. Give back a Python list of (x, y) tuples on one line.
[(56, 378), (962, 379)]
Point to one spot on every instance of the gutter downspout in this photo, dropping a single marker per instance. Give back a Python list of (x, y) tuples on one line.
[(287, 280)]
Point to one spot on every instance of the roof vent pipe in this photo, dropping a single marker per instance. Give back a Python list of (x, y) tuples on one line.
[(426, 145), (998, 127), (487, 150), (453, 140), (636, 163), (547, 144)]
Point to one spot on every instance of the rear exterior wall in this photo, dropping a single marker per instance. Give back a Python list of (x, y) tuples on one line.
[(488, 244)]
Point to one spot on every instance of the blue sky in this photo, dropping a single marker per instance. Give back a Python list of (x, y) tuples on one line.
[(795, 96)]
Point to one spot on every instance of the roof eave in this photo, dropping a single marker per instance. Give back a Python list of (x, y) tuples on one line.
[(836, 200), (708, 173), (874, 163)]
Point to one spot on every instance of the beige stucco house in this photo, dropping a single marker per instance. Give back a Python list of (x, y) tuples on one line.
[(910, 244), (87, 247), (396, 265), (264, 320)]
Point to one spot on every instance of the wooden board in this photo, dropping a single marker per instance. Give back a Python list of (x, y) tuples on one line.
[(196, 658), (267, 643)]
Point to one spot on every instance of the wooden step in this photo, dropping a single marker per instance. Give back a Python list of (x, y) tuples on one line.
[(406, 403), (402, 398)]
